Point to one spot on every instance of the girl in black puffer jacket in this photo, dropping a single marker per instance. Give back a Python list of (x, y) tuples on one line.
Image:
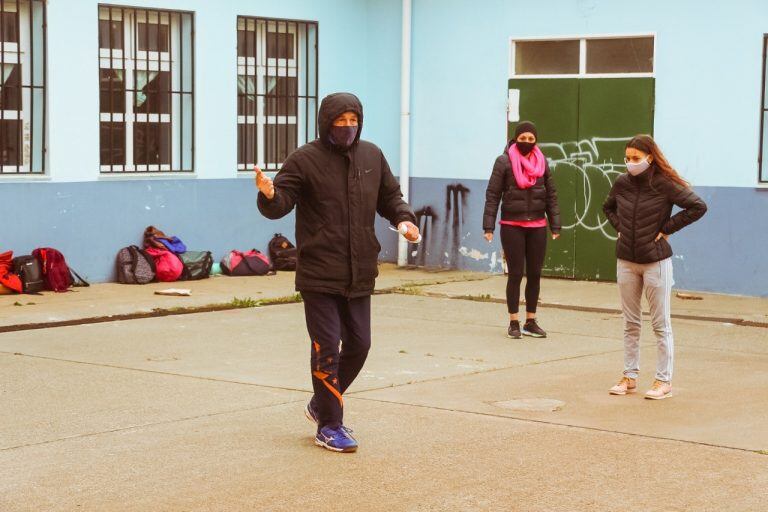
[(522, 183), (639, 207)]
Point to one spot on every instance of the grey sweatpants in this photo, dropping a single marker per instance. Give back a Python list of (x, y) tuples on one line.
[(656, 279)]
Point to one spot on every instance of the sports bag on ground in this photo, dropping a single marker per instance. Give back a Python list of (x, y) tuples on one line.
[(29, 271), (134, 266), (168, 266), (57, 275), (282, 253), (250, 263), (197, 265)]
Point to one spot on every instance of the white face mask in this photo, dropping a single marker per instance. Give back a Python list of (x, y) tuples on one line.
[(638, 168)]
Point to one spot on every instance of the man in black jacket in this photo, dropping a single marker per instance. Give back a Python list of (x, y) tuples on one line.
[(338, 183)]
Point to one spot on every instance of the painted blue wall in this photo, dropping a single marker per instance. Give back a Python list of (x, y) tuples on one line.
[(708, 64), (89, 216)]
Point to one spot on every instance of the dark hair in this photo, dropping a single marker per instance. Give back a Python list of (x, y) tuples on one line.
[(647, 145)]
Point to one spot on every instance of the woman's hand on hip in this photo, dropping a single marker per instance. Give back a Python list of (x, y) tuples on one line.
[(660, 236)]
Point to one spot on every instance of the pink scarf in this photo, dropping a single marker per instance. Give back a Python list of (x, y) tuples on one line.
[(527, 169)]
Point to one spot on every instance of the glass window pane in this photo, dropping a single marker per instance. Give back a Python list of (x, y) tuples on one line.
[(153, 37), (621, 55), (112, 143), (10, 142), (9, 32), (765, 70), (152, 143), (280, 45), (281, 95), (280, 142), (10, 95), (764, 159), (153, 92), (111, 34), (112, 91), (246, 43), (547, 57), (246, 95), (246, 144)]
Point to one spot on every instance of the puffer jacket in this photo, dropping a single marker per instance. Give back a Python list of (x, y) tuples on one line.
[(640, 207), (337, 194), (516, 203)]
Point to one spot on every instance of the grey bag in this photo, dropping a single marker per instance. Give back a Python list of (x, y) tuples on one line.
[(197, 265), (134, 266)]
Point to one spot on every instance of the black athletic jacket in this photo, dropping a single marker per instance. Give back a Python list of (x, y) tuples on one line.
[(516, 203), (337, 195), (640, 207)]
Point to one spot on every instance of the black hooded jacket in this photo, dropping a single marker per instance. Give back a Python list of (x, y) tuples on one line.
[(516, 203), (337, 193), (640, 207)]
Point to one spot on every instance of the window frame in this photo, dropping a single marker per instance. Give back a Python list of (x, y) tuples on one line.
[(131, 60), (25, 50), (306, 101), (582, 39), (762, 174)]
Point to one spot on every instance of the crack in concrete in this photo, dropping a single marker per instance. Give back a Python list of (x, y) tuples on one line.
[(564, 425), (156, 372), (144, 425)]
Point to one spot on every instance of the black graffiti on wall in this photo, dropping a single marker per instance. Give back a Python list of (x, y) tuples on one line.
[(453, 227), (425, 220)]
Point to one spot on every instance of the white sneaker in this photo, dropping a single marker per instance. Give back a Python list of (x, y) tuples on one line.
[(659, 391)]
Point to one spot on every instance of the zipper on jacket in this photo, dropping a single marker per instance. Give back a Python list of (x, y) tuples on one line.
[(634, 221)]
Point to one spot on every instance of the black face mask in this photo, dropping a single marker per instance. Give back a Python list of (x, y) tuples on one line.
[(525, 147), (343, 136)]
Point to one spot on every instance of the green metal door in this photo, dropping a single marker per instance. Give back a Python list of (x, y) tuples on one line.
[(583, 125)]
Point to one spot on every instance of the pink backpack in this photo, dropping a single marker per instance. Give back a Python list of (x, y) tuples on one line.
[(169, 266)]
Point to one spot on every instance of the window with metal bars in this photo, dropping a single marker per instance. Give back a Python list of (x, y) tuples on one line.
[(146, 83), (22, 87), (276, 89)]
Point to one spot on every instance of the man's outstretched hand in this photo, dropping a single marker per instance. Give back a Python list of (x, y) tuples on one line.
[(409, 230), (264, 183)]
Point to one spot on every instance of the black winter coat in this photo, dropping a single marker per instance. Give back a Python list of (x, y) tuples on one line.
[(337, 194), (517, 203), (640, 207)]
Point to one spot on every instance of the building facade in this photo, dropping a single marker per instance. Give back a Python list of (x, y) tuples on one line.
[(126, 114)]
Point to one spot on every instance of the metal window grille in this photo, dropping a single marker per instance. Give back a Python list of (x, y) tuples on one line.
[(22, 86), (762, 169), (277, 71), (146, 84)]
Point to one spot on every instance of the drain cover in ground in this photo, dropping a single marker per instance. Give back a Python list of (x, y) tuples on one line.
[(531, 405)]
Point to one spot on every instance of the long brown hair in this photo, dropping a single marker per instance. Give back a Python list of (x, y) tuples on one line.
[(647, 145)]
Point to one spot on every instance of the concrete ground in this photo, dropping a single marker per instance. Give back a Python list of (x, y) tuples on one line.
[(204, 411)]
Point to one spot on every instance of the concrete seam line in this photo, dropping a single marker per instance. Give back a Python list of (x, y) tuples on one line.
[(156, 372), (564, 425), (488, 370), (156, 313), (740, 322), (145, 425)]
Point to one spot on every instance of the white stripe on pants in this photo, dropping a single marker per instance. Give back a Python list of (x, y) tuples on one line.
[(656, 279)]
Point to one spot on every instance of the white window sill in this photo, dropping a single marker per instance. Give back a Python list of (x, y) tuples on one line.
[(25, 178), (131, 176)]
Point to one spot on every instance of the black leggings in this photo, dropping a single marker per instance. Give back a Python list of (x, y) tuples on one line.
[(523, 248)]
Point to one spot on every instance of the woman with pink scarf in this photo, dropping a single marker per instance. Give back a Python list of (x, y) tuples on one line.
[(522, 184)]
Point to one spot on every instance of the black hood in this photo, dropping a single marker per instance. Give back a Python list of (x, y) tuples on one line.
[(332, 107)]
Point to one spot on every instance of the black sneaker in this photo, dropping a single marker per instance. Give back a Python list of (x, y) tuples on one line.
[(514, 330), (531, 328)]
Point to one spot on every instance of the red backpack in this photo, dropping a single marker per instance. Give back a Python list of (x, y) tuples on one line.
[(57, 275)]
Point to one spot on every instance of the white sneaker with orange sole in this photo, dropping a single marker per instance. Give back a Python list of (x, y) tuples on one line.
[(659, 391), (625, 386)]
